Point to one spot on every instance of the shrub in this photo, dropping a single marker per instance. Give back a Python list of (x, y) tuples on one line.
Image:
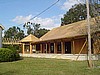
[(7, 55), (13, 47), (16, 53)]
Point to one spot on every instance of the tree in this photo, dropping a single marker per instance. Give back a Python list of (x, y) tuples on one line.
[(76, 13), (35, 29), (95, 30), (42, 32), (32, 28), (14, 32)]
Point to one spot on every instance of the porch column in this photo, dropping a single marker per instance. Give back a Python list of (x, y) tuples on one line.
[(73, 47), (55, 48), (46, 47), (30, 48), (49, 47), (41, 48), (23, 48), (62, 48), (35, 48)]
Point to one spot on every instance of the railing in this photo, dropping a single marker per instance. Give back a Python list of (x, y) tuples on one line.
[(10, 41)]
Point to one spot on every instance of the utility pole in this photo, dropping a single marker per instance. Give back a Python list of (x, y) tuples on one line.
[(89, 36)]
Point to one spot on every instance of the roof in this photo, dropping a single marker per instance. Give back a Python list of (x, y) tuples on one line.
[(67, 31), (1, 27), (30, 38)]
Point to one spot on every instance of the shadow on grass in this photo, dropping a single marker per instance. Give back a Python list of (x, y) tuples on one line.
[(9, 72), (21, 58)]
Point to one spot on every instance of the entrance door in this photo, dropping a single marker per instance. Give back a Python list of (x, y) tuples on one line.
[(52, 47), (59, 47), (67, 47)]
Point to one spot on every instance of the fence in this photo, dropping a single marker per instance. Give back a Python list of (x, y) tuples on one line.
[(11, 41)]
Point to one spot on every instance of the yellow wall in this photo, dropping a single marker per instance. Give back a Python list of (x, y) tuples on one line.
[(78, 43)]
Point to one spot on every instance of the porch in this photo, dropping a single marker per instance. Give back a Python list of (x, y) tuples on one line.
[(63, 46)]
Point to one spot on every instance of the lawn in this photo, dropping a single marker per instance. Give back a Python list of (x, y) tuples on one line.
[(40, 66)]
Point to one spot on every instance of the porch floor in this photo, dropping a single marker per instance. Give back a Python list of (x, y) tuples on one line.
[(62, 56)]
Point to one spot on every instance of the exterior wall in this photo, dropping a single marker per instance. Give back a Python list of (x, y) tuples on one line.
[(73, 46), (0, 37), (78, 43)]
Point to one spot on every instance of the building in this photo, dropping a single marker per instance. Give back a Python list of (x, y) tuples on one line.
[(1, 28), (68, 39), (27, 44)]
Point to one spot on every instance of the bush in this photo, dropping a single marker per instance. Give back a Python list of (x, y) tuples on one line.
[(13, 47), (16, 53), (7, 55)]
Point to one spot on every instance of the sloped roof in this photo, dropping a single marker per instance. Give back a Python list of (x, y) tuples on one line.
[(1, 27), (67, 31), (30, 38)]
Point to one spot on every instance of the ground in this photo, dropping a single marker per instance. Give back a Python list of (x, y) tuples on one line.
[(41, 66)]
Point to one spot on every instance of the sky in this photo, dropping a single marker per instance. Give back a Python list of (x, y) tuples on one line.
[(17, 12)]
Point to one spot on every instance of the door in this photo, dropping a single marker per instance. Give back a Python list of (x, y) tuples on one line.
[(67, 47)]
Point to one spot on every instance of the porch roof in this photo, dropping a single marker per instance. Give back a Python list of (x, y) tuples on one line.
[(30, 38), (68, 31)]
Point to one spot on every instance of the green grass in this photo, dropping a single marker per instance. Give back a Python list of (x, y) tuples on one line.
[(40, 66)]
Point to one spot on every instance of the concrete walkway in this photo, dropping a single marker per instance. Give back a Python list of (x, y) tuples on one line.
[(62, 56)]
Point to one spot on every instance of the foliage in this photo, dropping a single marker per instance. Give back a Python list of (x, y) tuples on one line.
[(96, 41), (32, 28), (41, 66), (15, 50), (7, 55), (13, 47), (95, 35), (76, 13), (14, 32), (42, 32), (35, 29)]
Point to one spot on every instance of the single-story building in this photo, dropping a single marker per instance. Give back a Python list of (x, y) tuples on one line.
[(27, 44), (67, 39)]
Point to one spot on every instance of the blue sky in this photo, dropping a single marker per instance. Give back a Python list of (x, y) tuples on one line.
[(16, 12)]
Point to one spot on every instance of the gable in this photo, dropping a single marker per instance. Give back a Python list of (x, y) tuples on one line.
[(30, 38)]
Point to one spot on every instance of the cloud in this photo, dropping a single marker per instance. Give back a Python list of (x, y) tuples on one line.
[(48, 23), (69, 3), (45, 22), (22, 19)]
